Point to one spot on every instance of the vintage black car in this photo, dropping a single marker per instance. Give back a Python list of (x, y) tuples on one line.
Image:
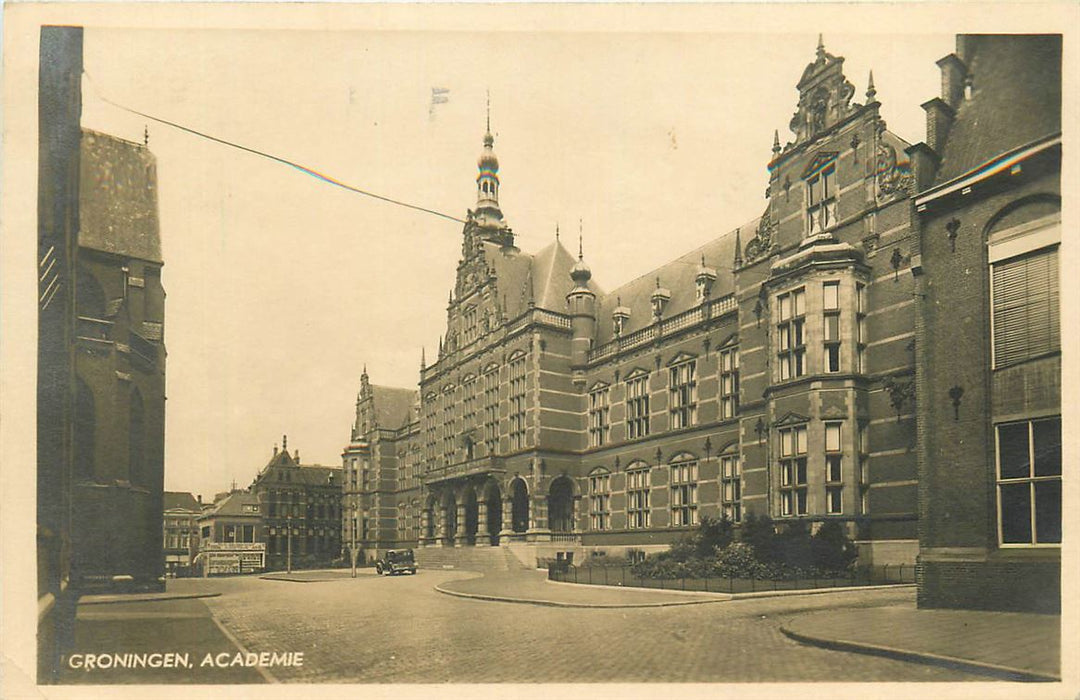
[(396, 561)]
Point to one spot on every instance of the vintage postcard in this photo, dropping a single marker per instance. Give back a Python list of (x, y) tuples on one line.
[(537, 349)]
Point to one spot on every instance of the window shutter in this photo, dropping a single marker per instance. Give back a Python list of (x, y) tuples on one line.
[(1026, 307)]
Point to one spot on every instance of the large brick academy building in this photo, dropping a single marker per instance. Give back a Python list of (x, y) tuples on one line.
[(771, 370)]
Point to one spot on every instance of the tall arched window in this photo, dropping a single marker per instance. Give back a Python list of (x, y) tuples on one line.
[(599, 499), (684, 476), (638, 483)]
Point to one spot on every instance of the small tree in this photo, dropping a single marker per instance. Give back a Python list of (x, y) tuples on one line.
[(713, 534), (831, 549), (758, 532), (793, 545)]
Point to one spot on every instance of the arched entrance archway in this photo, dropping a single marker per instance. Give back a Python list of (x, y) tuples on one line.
[(471, 515), (561, 505), (449, 514), (429, 518), (519, 505), (493, 501)]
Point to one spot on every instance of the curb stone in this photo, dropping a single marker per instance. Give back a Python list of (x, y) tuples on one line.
[(969, 665), (145, 598), (560, 604)]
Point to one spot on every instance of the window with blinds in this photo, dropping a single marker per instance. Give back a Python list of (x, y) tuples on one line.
[(1025, 305)]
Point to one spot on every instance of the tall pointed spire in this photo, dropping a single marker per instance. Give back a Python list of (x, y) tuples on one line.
[(775, 142), (820, 47), (487, 180), (871, 92)]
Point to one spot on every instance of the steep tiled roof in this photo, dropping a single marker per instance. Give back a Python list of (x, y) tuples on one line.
[(118, 197), (393, 406), (179, 500), (1016, 100), (551, 272), (317, 475), (677, 277), (234, 503), (544, 277)]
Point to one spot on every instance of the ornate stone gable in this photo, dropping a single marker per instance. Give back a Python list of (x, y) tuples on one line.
[(824, 97)]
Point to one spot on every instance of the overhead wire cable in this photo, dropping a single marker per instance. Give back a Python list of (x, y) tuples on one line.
[(284, 161)]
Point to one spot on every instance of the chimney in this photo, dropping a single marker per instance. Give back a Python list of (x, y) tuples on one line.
[(939, 118), (965, 47), (953, 75), (924, 162)]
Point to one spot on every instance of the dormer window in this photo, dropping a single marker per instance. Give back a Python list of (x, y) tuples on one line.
[(821, 200), (660, 298), (620, 317)]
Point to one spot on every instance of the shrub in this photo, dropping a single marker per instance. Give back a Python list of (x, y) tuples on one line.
[(739, 560), (792, 546), (712, 535), (830, 548), (758, 532)]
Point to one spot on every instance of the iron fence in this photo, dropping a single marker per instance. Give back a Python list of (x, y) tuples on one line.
[(882, 574)]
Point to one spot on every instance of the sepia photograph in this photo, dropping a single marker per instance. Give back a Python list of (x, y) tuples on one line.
[(534, 349)]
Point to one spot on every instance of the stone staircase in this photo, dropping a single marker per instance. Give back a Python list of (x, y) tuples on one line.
[(472, 558)]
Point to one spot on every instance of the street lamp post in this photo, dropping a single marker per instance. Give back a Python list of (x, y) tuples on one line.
[(288, 541), (352, 547)]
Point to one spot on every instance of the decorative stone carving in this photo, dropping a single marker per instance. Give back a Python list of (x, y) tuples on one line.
[(762, 242), (892, 177)]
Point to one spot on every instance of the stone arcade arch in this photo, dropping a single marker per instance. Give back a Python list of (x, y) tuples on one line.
[(428, 516), (519, 505), (449, 518), (561, 505), (471, 524), (493, 501)]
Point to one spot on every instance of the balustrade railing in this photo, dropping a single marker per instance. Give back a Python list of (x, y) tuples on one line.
[(686, 319)]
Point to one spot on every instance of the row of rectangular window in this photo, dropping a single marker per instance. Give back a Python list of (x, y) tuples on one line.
[(683, 400)]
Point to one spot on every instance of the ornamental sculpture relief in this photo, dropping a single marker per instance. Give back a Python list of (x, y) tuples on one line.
[(762, 242)]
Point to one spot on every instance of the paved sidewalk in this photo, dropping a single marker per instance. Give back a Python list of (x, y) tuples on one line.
[(182, 628), (533, 587), (1017, 646), (316, 575)]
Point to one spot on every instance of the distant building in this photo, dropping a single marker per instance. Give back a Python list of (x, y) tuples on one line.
[(300, 508), (769, 371), (989, 339), (180, 531), (235, 517), (383, 436)]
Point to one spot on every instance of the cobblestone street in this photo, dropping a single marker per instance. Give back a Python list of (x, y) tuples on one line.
[(375, 629)]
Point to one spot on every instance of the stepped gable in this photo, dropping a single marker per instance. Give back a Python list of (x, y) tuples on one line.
[(1016, 99), (678, 277)]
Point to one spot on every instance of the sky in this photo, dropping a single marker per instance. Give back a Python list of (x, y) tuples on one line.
[(281, 287)]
